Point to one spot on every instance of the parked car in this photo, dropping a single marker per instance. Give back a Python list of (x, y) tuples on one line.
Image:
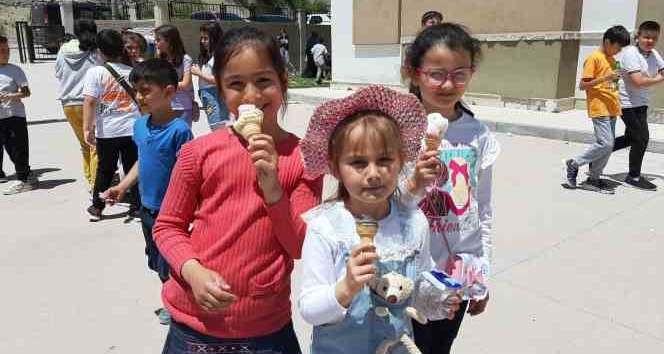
[(272, 18), (319, 19), (204, 16), (230, 17)]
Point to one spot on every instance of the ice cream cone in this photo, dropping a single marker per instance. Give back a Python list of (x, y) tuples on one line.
[(432, 142), (249, 121), (367, 230)]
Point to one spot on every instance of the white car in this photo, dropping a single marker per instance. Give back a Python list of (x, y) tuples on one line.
[(319, 19)]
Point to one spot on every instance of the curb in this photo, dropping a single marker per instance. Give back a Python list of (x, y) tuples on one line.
[(562, 134), (46, 121)]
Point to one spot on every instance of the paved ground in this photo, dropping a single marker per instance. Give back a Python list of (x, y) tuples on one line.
[(575, 272)]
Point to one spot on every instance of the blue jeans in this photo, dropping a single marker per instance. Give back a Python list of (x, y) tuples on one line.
[(216, 110), (184, 340), (156, 261)]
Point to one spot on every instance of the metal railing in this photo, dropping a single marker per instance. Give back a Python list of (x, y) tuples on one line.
[(145, 10), (101, 11), (194, 10), (213, 12)]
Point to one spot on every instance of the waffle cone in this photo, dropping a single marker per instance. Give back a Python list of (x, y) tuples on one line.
[(249, 130), (432, 143), (367, 230)]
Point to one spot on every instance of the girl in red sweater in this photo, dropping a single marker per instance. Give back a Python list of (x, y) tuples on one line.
[(230, 223)]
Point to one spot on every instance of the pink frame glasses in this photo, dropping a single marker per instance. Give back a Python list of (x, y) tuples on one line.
[(438, 77)]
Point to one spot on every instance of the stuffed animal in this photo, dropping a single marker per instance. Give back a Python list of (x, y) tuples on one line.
[(395, 289)]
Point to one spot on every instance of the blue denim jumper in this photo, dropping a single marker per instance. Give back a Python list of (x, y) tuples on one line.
[(362, 331), (215, 109)]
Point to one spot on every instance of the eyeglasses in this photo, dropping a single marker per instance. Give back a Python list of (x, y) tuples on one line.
[(437, 77)]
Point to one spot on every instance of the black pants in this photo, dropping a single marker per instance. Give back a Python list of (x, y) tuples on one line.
[(156, 261), (14, 138), (436, 337), (108, 152), (636, 136)]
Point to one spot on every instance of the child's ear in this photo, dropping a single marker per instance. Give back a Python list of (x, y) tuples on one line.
[(170, 90)]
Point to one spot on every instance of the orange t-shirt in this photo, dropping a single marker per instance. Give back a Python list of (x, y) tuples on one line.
[(601, 99)]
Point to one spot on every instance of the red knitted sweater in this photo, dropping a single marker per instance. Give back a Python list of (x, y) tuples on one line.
[(213, 211)]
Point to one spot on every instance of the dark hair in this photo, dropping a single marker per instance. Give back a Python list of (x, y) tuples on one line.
[(171, 35), (214, 32), (312, 40), (3, 39), (239, 38), (452, 35), (129, 35), (111, 45), (649, 26), (86, 30), (155, 70), (617, 34), (379, 131), (431, 14)]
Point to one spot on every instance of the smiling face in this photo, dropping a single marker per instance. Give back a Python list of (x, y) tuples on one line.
[(436, 95), (249, 77), (368, 164)]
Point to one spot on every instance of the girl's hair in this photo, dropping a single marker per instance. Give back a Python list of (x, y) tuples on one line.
[(136, 38), (171, 35), (451, 35), (239, 38), (214, 32), (111, 45), (86, 31), (379, 132)]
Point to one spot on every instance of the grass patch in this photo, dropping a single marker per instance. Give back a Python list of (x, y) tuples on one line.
[(296, 82)]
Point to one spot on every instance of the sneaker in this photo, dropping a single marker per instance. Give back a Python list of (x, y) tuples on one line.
[(134, 214), (571, 172), (3, 178), (94, 214), (640, 183), (164, 316), (20, 187), (597, 185)]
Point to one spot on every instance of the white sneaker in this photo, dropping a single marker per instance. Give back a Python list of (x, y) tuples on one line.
[(20, 187)]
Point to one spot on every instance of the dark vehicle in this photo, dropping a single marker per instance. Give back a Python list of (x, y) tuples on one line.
[(203, 16), (272, 18), (230, 17), (46, 23)]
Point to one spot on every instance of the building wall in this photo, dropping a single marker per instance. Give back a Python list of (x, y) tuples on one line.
[(9, 14), (653, 10), (505, 16), (360, 63)]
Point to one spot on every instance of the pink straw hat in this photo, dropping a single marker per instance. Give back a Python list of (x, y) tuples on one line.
[(405, 109)]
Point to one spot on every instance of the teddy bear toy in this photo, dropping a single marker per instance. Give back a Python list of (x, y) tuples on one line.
[(395, 289)]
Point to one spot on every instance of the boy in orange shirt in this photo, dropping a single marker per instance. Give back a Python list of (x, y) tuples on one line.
[(600, 81)]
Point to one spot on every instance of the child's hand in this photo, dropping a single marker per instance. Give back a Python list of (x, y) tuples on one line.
[(90, 138), (476, 307), (264, 155), (195, 69), (114, 194), (360, 269), (427, 169), (6, 97), (210, 290), (613, 76)]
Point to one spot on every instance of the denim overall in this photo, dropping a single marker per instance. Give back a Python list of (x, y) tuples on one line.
[(362, 331), (216, 110)]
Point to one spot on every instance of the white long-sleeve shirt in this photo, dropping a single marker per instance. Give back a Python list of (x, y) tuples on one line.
[(329, 240), (460, 209)]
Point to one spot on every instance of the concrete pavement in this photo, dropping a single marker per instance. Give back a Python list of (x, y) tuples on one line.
[(574, 271)]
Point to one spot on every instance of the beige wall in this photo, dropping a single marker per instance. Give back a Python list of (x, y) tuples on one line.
[(653, 10), (375, 22), (9, 15), (505, 16), (526, 70)]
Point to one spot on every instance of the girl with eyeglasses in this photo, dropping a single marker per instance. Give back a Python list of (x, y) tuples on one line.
[(438, 67)]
